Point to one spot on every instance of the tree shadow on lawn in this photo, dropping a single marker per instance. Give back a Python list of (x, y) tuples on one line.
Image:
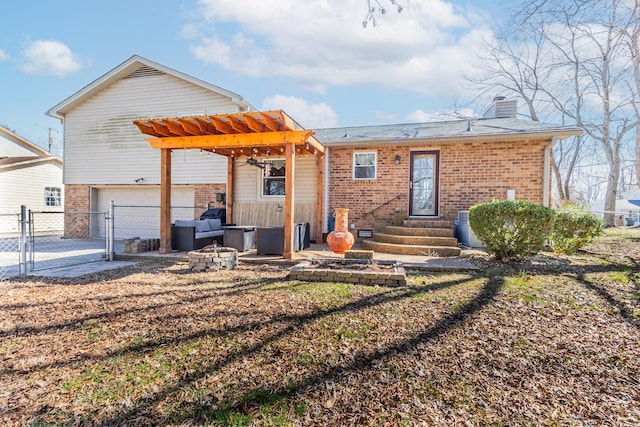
[(199, 413), (146, 346), (631, 272), (289, 323), (610, 263)]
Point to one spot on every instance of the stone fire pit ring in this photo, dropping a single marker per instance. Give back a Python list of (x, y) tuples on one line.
[(216, 258)]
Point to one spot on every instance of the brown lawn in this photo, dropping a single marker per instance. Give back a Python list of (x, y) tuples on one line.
[(550, 341)]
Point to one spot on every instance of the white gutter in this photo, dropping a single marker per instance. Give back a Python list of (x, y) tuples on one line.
[(546, 176)]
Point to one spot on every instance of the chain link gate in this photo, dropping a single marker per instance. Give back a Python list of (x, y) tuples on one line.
[(58, 239)]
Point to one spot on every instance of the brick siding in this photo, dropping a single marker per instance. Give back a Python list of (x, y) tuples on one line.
[(206, 193), (76, 199), (470, 173)]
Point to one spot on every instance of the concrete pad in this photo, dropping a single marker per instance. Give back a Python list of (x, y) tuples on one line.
[(81, 269)]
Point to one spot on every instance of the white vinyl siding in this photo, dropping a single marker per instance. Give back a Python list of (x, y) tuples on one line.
[(248, 182), (103, 146), (25, 186)]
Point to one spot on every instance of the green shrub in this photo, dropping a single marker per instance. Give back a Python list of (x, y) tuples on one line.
[(511, 230), (573, 229)]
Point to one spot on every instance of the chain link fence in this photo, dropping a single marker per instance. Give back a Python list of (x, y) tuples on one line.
[(9, 245), (58, 239), (143, 222)]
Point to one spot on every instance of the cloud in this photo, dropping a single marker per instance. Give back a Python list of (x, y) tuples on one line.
[(4, 56), (49, 57), (425, 49), (309, 116)]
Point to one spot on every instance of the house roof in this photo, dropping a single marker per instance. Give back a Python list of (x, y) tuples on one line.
[(139, 65), (446, 131), (633, 193), (17, 139), (8, 163)]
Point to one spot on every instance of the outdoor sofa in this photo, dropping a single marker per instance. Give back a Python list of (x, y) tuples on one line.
[(188, 235)]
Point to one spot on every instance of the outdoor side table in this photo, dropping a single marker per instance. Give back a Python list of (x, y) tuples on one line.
[(240, 238)]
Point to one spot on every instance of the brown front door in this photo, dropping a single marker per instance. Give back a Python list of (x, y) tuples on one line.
[(423, 193)]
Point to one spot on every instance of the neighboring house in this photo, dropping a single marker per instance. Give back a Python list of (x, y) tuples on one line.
[(30, 176), (383, 174), (627, 207), (106, 158)]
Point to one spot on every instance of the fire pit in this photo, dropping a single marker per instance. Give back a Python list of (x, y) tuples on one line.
[(367, 272), (213, 258)]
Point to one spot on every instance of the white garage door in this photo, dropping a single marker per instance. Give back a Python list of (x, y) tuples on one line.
[(137, 210)]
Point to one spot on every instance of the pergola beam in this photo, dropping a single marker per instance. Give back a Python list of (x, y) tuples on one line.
[(192, 128), (160, 128), (255, 125), (229, 141)]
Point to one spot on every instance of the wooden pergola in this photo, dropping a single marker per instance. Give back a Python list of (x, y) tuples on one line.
[(255, 134)]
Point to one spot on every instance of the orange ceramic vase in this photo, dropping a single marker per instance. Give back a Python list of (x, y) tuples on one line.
[(340, 239)]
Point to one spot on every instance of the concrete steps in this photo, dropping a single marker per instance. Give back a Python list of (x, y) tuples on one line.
[(416, 237), (416, 240), (415, 231)]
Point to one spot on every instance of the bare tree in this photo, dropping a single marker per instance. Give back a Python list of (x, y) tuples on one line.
[(574, 57), (516, 63), (632, 34), (377, 7)]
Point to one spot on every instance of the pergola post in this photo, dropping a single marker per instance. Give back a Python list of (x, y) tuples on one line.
[(319, 199), (289, 248), (230, 194), (165, 201)]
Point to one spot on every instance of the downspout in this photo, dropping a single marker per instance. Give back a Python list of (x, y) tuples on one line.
[(325, 193), (546, 177)]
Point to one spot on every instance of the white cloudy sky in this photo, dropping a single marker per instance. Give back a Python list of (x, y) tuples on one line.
[(314, 59)]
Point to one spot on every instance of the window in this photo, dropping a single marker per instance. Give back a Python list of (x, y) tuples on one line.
[(364, 165), (273, 176), (52, 196)]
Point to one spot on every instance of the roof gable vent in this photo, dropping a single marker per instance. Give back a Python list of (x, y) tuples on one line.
[(502, 108), (144, 71)]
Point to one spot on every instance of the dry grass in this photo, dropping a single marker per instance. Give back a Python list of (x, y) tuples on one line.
[(550, 341)]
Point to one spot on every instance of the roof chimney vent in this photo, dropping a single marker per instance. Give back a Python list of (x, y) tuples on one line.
[(502, 108)]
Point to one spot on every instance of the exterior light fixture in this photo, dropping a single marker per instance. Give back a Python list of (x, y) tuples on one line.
[(397, 159)]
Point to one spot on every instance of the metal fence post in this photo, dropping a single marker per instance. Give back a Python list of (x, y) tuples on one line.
[(23, 241), (111, 230)]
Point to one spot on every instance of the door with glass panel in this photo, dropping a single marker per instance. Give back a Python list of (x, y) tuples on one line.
[(423, 187)]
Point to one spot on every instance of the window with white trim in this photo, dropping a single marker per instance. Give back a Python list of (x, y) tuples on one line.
[(273, 178), (364, 165), (52, 196)]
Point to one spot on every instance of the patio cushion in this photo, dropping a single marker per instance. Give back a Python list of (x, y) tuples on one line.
[(202, 226), (185, 223), (214, 223)]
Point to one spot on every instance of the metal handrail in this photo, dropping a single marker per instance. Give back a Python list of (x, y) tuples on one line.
[(396, 197)]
